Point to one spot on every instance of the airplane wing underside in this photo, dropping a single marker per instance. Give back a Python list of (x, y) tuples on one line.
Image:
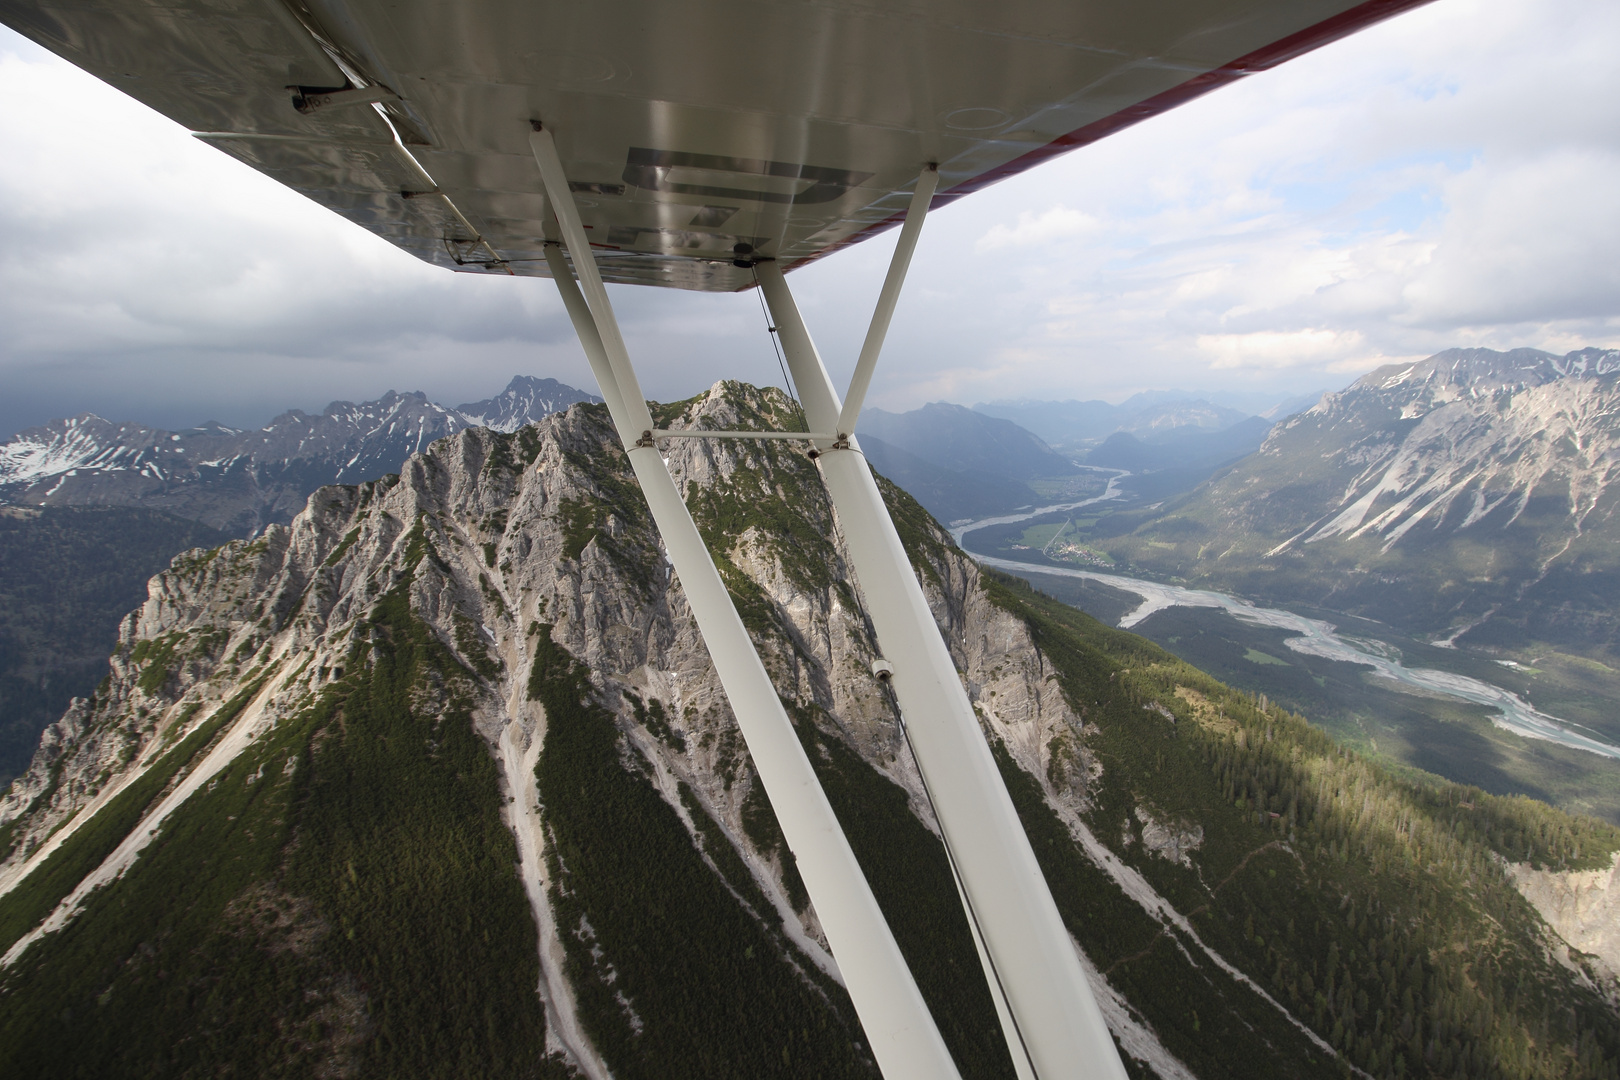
[(686, 129)]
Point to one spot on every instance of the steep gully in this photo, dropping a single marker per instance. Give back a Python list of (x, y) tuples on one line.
[(1311, 637)]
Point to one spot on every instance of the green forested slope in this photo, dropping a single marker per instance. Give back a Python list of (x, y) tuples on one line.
[(677, 969), (85, 848), (340, 901), (1374, 908)]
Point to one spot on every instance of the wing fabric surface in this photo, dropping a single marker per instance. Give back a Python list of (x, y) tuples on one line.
[(690, 131)]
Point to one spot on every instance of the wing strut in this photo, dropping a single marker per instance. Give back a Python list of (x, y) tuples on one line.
[(1052, 1023), (902, 1034), (921, 197)]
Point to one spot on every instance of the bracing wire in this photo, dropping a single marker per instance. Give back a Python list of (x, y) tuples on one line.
[(967, 902), (776, 347)]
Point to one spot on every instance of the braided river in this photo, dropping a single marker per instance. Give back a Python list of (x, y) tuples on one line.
[(1309, 637)]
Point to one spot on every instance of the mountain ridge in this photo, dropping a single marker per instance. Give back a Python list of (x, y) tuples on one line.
[(1471, 496), (957, 462), (958, 438), (240, 480), (1154, 415)]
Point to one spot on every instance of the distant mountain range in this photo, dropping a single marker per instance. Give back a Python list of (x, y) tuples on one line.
[(960, 439), (1186, 446), (949, 494), (99, 507), (979, 462), (1470, 497), (957, 462), (525, 400), (240, 481), (1154, 416)]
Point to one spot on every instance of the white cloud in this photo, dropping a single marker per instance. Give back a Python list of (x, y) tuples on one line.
[(148, 276), (1058, 223), (1526, 241), (1443, 179), (1274, 349)]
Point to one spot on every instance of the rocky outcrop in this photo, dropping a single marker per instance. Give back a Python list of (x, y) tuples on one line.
[(1583, 908), (1173, 840)]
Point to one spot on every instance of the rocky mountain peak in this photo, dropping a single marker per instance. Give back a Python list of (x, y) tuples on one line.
[(1482, 372), (514, 558), (240, 481), (524, 399), (1491, 477)]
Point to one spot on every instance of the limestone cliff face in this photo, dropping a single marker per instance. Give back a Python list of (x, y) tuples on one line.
[(1583, 908), (1471, 497)]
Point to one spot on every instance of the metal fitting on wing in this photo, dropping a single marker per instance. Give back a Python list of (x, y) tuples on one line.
[(309, 99), (882, 669)]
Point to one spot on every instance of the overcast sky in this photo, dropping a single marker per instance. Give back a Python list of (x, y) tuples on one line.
[(1446, 178)]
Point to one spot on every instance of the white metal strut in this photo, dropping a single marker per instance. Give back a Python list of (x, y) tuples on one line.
[(902, 1034), (1051, 1020), (866, 363)]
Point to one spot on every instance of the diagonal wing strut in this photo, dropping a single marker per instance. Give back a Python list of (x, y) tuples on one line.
[(1053, 1026), (902, 1034)]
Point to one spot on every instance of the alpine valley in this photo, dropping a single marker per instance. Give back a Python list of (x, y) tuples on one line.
[(1455, 514), (436, 780), (1470, 498)]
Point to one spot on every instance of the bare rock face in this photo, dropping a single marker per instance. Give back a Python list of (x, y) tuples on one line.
[(1582, 907), (238, 480), (502, 540), (1173, 840), (1382, 500)]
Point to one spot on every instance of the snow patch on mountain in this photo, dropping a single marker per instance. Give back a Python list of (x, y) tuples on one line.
[(241, 481), (524, 400), (1475, 436)]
